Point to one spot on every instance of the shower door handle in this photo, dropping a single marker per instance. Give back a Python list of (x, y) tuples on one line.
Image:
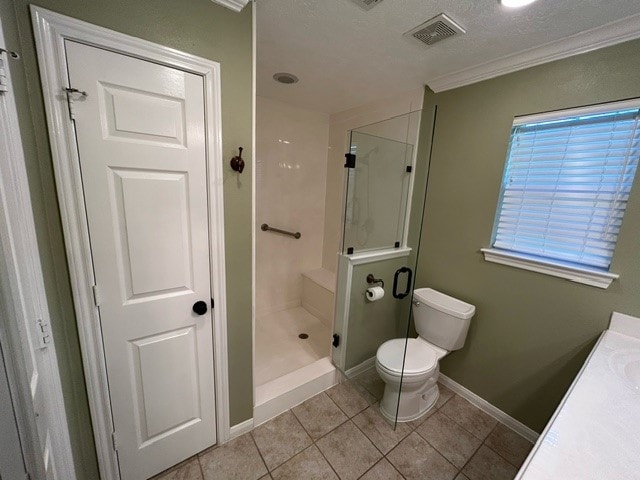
[(395, 282)]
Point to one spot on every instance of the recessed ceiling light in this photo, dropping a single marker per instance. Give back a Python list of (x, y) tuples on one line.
[(515, 3), (286, 78)]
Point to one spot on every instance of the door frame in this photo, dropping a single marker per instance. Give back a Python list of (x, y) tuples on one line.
[(51, 30), (24, 300)]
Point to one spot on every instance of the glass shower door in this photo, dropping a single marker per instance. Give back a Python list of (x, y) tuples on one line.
[(377, 187), (383, 209)]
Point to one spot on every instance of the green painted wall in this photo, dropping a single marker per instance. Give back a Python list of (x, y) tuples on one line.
[(532, 332), (195, 26), (373, 323)]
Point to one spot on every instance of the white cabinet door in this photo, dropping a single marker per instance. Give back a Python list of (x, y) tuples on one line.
[(141, 141)]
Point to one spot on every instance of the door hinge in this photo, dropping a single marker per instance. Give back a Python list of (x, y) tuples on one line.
[(4, 83), (96, 296), (114, 441), (350, 160), (336, 340), (44, 333), (73, 94)]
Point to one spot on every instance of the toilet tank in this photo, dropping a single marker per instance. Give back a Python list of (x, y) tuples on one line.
[(440, 319)]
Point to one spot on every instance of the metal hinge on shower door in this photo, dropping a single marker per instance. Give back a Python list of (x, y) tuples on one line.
[(4, 80), (44, 333), (350, 160), (4, 83)]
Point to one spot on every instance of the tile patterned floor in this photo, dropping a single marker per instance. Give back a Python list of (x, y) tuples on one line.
[(339, 434)]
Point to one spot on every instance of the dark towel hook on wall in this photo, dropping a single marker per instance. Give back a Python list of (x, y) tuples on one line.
[(237, 163)]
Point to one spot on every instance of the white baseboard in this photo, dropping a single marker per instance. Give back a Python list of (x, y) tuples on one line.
[(363, 367), (281, 394), (489, 409), (240, 429), (467, 394)]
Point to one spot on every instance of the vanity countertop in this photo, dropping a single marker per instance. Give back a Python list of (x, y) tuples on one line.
[(595, 432)]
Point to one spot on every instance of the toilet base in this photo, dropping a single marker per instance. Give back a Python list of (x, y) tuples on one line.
[(413, 403)]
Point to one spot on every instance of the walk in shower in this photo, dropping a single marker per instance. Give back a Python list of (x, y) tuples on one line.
[(294, 293), (311, 317)]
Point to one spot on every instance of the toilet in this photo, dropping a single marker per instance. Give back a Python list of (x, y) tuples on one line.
[(442, 323)]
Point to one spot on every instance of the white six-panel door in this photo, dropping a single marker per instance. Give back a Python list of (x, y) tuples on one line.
[(141, 140)]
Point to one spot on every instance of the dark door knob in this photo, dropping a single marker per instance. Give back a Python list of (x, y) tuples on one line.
[(200, 307)]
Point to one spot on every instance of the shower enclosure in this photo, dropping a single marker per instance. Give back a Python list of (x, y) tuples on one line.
[(309, 319), (293, 293), (383, 209)]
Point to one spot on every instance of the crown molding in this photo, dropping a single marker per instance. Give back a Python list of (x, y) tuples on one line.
[(235, 5), (604, 36)]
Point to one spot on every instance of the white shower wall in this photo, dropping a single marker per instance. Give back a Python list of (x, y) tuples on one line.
[(291, 174)]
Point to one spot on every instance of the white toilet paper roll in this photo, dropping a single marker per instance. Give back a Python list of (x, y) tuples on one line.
[(374, 293)]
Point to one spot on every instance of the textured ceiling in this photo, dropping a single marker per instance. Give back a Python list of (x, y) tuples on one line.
[(346, 57)]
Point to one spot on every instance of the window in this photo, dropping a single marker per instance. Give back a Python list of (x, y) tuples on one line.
[(565, 188)]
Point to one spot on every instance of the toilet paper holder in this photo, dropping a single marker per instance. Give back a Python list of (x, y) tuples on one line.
[(371, 280)]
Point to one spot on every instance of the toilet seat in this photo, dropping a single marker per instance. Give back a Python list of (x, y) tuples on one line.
[(419, 359)]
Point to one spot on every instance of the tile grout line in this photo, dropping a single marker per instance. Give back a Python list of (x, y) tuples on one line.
[(471, 457), (470, 433), (364, 386), (483, 443), (394, 467), (359, 429), (259, 453), (458, 470), (349, 419), (327, 460), (365, 435), (414, 430), (501, 456), (200, 466), (301, 426), (383, 457), (313, 442), (467, 430), (324, 434)]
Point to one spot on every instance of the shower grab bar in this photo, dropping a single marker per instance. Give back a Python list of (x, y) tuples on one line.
[(265, 228)]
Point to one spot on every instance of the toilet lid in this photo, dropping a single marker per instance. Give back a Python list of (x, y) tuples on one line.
[(419, 357)]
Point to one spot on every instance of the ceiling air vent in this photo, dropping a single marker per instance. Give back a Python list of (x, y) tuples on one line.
[(366, 4), (438, 28)]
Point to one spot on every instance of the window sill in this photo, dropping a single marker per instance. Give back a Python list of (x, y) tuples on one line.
[(587, 276)]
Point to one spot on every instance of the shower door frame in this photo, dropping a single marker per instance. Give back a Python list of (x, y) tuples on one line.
[(407, 213), (346, 262)]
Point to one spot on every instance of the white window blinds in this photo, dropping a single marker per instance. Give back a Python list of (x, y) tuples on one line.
[(566, 185)]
